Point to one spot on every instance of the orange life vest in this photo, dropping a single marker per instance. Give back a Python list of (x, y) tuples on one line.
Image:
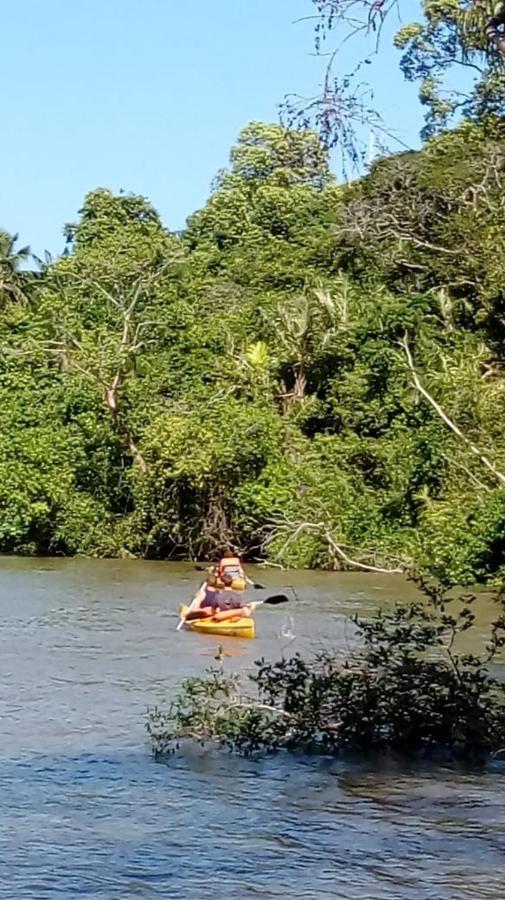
[(230, 565)]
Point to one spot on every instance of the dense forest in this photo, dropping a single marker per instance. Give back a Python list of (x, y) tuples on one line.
[(311, 372)]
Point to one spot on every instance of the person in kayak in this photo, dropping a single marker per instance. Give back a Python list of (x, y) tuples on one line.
[(220, 604), (227, 604), (204, 596), (231, 565)]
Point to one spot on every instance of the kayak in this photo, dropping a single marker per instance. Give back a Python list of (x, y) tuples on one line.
[(244, 628)]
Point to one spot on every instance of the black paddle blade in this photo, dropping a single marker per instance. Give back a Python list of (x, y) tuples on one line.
[(258, 587), (277, 598)]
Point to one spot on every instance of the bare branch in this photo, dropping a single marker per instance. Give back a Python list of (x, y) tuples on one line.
[(337, 550), (478, 483), (500, 477), (340, 552)]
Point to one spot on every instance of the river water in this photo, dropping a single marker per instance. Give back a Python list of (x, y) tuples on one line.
[(87, 646)]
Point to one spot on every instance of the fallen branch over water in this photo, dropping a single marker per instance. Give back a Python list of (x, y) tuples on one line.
[(500, 477), (337, 551)]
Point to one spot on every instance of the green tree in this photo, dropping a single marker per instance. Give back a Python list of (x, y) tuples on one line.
[(457, 39), (269, 211), (13, 280), (313, 372), (277, 156)]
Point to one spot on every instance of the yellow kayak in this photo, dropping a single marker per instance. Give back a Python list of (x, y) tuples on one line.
[(244, 628)]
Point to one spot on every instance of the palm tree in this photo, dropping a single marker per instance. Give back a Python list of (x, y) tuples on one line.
[(306, 325), (12, 279)]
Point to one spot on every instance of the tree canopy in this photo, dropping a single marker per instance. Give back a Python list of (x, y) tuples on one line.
[(310, 372)]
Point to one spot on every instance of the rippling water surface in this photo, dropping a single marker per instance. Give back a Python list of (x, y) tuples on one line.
[(85, 647)]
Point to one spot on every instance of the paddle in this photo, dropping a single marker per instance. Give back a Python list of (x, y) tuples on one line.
[(270, 601), (258, 587), (196, 599)]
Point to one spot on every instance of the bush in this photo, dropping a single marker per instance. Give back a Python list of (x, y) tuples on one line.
[(407, 690)]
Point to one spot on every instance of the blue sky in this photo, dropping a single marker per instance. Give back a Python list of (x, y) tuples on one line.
[(148, 96)]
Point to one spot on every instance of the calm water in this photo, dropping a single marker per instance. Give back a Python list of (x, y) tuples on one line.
[(85, 811)]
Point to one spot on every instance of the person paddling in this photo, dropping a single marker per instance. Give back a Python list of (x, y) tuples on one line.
[(228, 603), (220, 604), (203, 597)]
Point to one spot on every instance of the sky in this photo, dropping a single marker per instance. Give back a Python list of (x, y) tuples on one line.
[(148, 96)]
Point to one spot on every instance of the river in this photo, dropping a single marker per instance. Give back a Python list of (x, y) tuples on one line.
[(87, 646)]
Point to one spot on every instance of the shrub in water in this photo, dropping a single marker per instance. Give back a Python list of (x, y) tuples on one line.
[(408, 689)]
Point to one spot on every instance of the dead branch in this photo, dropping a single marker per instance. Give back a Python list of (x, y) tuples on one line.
[(478, 483), (500, 477), (253, 705), (436, 248), (137, 455), (336, 550)]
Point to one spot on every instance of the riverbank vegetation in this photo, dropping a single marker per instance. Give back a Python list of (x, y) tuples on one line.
[(308, 371), (408, 687), (312, 372)]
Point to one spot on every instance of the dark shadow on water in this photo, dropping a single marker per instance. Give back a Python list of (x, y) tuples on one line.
[(204, 823)]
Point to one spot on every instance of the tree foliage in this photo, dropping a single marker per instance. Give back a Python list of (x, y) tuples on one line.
[(13, 280), (247, 381)]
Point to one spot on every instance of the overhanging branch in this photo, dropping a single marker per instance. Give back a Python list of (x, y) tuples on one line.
[(499, 476)]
